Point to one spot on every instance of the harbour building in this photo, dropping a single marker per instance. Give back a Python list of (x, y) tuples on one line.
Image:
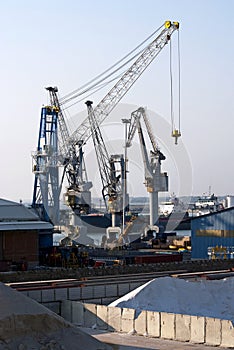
[(22, 235), (212, 235)]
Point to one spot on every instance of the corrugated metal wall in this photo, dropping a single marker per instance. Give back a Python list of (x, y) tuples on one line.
[(213, 230), (21, 245)]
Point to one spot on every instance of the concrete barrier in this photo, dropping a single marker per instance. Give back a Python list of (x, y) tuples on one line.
[(55, 307), (114, 318), (182, 327), (185, 328), (167, 325), (77, 313), (35, 294), (141, 324), (197, 329), (212, 331), (227, 334), (61, 294), (67, 307), (90, 315), (127, 320), (102, 317), (153, 324), (48, 295)]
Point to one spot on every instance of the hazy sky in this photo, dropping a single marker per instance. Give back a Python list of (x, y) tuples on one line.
[(68, 42)]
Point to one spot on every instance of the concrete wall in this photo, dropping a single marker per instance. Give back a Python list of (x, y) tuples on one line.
[(186, 328), (88, 293)]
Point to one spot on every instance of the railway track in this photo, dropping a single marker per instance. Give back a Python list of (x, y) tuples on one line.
[(117, 279)]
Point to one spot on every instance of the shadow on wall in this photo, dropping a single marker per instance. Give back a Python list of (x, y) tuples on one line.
[(185, 328)]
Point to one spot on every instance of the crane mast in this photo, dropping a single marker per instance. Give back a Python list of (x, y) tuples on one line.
[(46, 183)]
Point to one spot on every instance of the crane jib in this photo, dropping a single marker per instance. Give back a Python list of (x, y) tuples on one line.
[(113, 97)]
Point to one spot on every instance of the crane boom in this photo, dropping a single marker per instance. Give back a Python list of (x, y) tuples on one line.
[(135, 123), (73, 163), (100, 148), (107, 104), (147, 167), (111, 185), (150, 131)]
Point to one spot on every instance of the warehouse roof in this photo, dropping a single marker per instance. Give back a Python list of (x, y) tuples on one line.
[(12, 211), (25, 225), (17, 217)]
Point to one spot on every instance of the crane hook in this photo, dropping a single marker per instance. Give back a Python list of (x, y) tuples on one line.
[(176, 134)]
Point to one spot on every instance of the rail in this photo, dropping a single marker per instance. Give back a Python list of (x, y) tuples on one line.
[(101, 290)]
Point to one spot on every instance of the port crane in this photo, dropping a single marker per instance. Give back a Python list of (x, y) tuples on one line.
[(46, 182), (69, 155), (53, 136), (78, 189), (111, 169), (110, 176), (155, 181)]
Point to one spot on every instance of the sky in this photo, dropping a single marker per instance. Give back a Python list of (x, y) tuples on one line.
[(67, 43)]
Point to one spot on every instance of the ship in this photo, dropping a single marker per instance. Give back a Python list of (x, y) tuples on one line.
[(174, 215)]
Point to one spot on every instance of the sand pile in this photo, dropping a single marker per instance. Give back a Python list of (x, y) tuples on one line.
[(27, 325), (200, 298)]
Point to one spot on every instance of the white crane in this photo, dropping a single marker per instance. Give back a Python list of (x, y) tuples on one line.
[(155, 181)]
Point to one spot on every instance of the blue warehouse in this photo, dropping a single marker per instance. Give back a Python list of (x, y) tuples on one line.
[(212, 235)]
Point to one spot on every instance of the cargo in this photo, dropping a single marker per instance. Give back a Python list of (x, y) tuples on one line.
[(152, 259)]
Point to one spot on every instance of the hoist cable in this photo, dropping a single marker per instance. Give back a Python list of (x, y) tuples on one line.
[(179, 77), (92, 93), (110, 68), (103, 79), (107, 70), (171, 89)]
